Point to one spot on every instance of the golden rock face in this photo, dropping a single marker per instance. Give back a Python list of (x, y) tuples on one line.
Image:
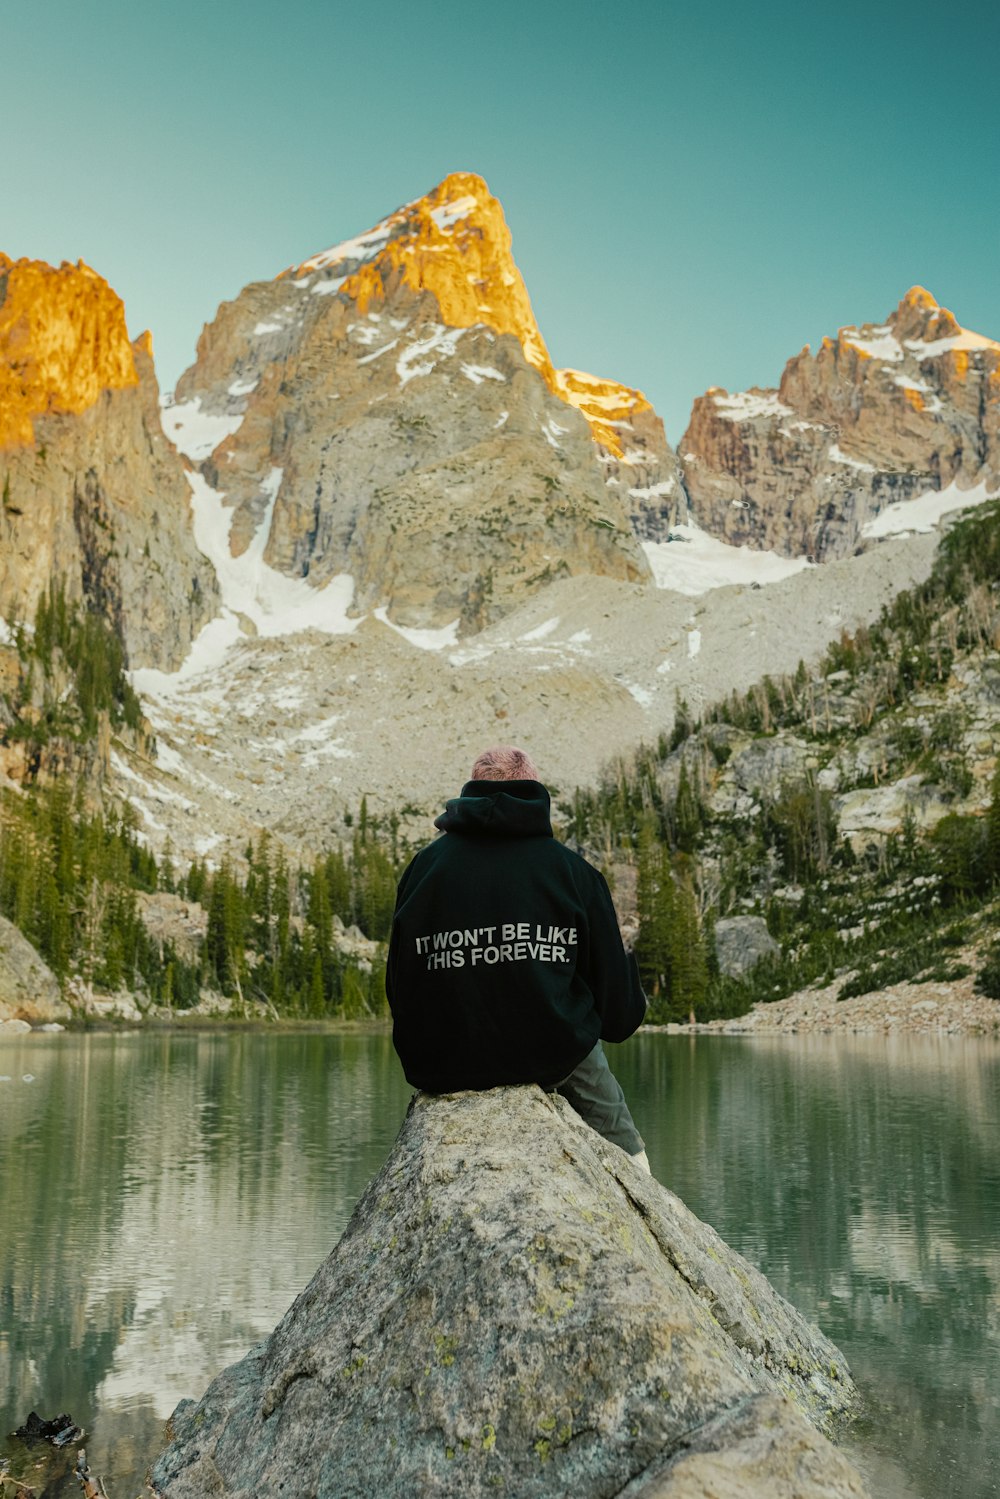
[(455, 244), (63, 341)]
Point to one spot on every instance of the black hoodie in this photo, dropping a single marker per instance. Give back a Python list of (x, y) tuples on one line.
[(506, 964)]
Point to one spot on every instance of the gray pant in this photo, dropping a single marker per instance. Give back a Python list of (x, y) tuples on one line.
[(596, 1095)]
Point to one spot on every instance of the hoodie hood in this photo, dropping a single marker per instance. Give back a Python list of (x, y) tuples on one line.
[(498, 809)]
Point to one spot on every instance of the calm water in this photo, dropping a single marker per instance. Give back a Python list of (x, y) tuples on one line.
[(163, 1198)]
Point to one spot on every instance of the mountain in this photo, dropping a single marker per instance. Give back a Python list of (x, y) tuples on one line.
[(92, 491), (879, 417), (384, 417), (411, 534)]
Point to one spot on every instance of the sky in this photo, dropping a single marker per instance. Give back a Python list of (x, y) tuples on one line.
[(694, 192)]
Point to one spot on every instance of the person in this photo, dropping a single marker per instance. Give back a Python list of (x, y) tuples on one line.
[(506, 964)]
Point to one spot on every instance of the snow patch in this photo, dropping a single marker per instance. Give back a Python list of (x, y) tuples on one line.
[(244, 387), (276, 604), (440, 344), (879, 343), (168, 758), (261, 328), (926, 511), (540, 631), (367, 358), (748, 405), (327, 288), (694, 643), (317, 733), (365, 333), (666, 486), (552, 432), (449, 214), (964, 339), (194, 432), (425, 639), (477, 373), (836, 456), (501, 420), (362, 247), (693, 562)]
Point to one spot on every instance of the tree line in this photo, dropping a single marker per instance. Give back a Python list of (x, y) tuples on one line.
[(72, 880)]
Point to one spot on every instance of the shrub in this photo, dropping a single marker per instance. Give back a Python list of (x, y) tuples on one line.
[(988, 978)]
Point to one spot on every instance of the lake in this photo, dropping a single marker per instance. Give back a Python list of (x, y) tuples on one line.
[(164, 1196)]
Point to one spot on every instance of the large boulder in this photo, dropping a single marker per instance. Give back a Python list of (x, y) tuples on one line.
[(29, 990), (741, 942), (516, 1308)]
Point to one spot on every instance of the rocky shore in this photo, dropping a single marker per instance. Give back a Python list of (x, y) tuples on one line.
[(928, 1009)]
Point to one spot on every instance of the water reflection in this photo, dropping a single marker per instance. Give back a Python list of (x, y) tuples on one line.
[(164, 1199), (863, 1176)]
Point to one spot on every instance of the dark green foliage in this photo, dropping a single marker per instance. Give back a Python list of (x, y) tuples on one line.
[(877, 917), (75, 662), (70, 880), (802, 826), (988, 978), (670, 947)]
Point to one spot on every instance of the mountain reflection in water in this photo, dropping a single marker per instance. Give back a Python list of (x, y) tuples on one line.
[(166, 1196)]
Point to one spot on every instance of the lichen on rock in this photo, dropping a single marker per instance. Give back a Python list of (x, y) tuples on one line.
[(516, 1308)]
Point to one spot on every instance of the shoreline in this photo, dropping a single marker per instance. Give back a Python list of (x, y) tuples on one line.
[(203, 1024), (932, 1009)]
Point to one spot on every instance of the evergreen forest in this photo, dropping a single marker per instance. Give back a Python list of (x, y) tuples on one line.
[(682, 844)]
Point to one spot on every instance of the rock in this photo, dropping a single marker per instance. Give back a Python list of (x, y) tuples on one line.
[(93, 493), (870, 814), (388, 410), (761, 1447), (516, 1308), (29, 990), (742, 941), (879, 415)]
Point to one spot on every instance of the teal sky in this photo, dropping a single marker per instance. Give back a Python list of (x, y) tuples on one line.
[(694, 191)]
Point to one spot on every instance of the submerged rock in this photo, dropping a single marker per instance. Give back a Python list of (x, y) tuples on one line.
[(516, 1308)]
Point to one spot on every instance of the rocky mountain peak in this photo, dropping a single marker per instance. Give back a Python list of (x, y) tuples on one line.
[(63, 341), (920, 322), (382, 423), (454, 243), (881, 415)]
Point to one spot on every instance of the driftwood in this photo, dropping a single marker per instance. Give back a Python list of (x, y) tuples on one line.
[(93, 1488)]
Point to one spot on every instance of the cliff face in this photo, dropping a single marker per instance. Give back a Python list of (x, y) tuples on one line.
[(388, 410), (91, 490), (880, 414), (63, 341), (516, 1308)]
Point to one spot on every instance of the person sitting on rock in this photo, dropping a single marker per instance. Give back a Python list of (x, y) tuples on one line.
[(506, 964)]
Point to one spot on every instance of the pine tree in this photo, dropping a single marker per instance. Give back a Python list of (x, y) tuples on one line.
[(655, 904), (993, 827)]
